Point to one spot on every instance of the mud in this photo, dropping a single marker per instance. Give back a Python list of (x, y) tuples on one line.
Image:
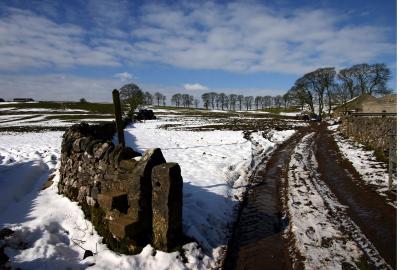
[(367, 209), (258, 242)]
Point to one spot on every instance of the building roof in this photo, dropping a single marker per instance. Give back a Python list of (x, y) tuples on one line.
[(356, 103)]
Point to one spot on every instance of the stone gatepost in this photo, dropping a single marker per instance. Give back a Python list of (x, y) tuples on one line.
[(167, 206)]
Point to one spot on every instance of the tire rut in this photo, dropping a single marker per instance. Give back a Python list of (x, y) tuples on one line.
[(369, 211), (257, 240)]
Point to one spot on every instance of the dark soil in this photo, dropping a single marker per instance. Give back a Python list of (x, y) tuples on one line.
[(367, 209), (258, 242)]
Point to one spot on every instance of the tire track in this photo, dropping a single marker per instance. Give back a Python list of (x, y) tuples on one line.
[(338, 212), (258, 241)]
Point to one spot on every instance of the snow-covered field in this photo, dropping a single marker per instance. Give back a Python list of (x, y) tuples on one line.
[(51, 232)]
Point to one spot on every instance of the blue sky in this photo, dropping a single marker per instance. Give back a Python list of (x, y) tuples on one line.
[(65, 50)]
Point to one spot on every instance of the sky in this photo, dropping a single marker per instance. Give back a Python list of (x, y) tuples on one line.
[(67, 50)]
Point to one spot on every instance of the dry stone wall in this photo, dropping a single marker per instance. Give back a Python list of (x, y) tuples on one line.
[(372, 131), (132, 200)]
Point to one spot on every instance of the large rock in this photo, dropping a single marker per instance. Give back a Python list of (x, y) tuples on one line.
[(145, 114), (167, 206)]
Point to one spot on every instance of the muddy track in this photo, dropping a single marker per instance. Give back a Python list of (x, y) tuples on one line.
[(375, 218), (257, 241)]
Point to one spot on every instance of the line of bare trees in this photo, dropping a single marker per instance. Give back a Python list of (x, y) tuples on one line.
[(213, 100), (184, 100), (323, 87)]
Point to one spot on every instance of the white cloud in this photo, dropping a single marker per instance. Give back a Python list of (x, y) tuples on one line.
[(27, 40), (250, 37), (123, 76), (240, 37), (195, 87)]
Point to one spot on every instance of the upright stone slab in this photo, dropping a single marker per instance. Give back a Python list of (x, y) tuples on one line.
[(167, 206)]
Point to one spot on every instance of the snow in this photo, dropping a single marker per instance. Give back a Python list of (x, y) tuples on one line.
[(325, 236), (289, 113), (318, 237), (211, 174), (52, 233), (373, 172), (6, 109)]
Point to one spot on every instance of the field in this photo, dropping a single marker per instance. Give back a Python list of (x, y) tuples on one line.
[(254, 182)]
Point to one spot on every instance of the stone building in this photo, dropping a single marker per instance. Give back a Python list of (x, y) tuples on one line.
[(386, 104), (366, 103)]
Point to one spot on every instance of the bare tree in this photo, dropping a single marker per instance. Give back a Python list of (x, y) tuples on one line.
[(213, 97), (267, 101), (158, 96), (177, 99), (187, 100), (348, 81), (196, 103), (377, 81), (258, 101), (148, 98), (232, 101), (278, 101), (217, 101), (318, 82), (206, 100), (131, 95), (302, 94), (286, 100), (248, 102), (223, 99), (240, 99), (371, 79)]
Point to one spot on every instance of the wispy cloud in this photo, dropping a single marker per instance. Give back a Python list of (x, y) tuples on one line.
[(195, 87), (240, 37)]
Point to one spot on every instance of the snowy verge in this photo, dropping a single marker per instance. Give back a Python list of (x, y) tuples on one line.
[(372, 172)]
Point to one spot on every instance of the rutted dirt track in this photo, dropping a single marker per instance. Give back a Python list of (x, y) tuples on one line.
[(258, 242), (376, 219), (258, 239)]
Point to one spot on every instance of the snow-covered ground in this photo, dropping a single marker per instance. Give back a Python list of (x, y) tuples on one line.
[(373, 172), (321, 229), (51, 232), (289, 113), (42, 120)]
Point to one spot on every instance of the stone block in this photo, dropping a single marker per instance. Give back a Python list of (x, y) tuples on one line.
[(100, 150), (167, 206), (113, 200), (122, 227)]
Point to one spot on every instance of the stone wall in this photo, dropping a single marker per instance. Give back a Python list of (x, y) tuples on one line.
[(132, 200), (371, 131)]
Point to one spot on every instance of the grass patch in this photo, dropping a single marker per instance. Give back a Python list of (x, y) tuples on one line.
[(106, 108), (79, 117), (34, 129), (379, 153), (19, 119), (280, 110)]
